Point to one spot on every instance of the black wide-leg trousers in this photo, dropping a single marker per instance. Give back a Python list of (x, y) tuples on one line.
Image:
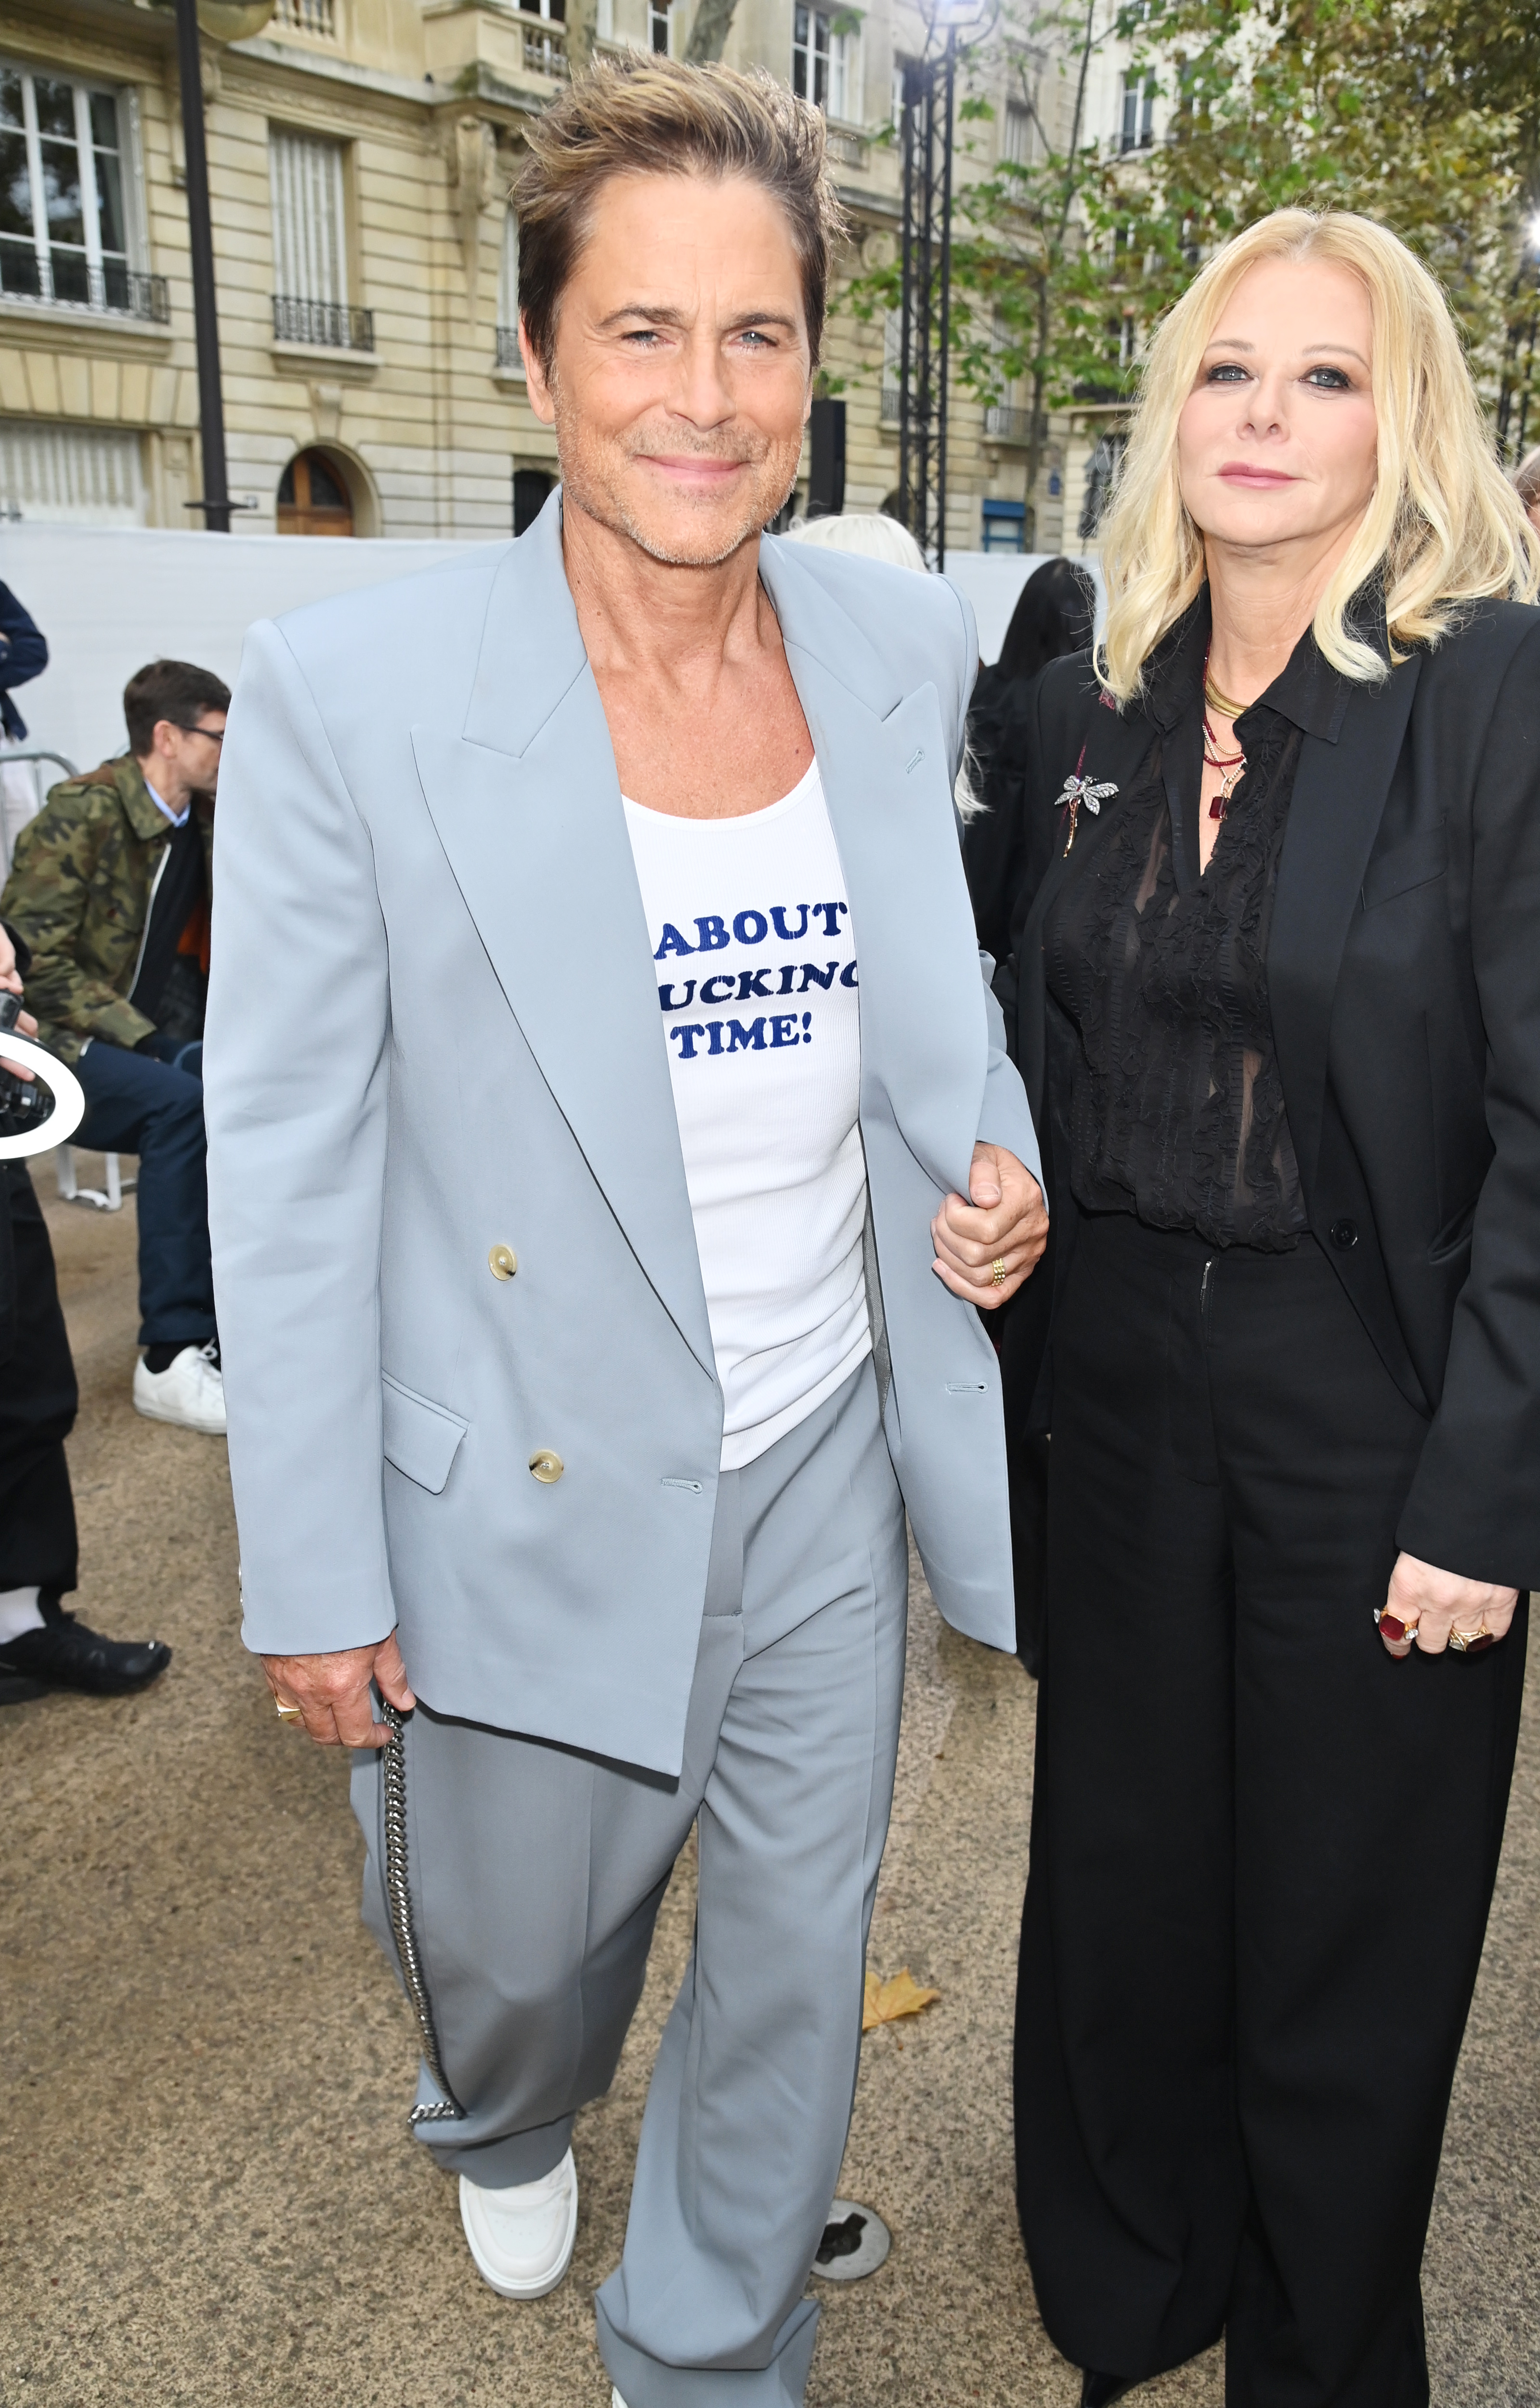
[(1262, 1850)]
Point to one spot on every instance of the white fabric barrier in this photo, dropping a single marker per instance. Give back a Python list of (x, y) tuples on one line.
[(111, 598), (108, 599)]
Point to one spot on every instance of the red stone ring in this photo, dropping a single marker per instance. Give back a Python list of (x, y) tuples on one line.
[(1471, 1643), (1390, 1626)]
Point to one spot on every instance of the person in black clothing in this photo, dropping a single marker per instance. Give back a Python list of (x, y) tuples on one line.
[(23, 655), (41, 1646), (1275, 991), (1053, 618), (1054, 615)]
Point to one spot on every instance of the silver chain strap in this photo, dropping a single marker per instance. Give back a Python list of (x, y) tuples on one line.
[(398, 1899)]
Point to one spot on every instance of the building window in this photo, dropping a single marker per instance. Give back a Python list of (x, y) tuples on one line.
[(64, 227), (891, 403), (310, 301), (657, 28), (531, 493), (1138, 131), (825, 65), (81, 476), (1015, 135), (313, 497), (1004, 525)]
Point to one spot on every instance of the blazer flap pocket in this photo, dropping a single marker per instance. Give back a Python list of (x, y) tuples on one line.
[(420, 1438), (1416, 862)]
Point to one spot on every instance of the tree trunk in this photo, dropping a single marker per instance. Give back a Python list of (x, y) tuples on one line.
[(709, 32)]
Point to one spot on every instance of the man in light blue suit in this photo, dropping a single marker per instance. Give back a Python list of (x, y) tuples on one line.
[(610, 1139)]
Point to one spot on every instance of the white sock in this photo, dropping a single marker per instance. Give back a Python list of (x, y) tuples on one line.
[(19, 1612)]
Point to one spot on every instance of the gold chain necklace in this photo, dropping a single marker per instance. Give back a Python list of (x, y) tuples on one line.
[(1217, 701)]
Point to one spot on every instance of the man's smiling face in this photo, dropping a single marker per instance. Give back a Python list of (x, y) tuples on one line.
[(681, 376)]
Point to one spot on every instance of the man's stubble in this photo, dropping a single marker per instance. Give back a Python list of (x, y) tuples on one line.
[(583, 464)]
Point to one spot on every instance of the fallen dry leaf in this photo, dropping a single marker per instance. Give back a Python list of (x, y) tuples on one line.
[(887, 2000)]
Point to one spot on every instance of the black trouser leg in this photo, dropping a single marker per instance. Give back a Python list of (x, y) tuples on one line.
[(38, 1403), (1370, 1798), (1131, 2188), (1227, 1472)]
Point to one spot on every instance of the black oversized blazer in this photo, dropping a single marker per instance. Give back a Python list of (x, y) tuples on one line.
[(1403, 977)]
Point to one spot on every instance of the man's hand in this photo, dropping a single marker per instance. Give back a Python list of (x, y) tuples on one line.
[(12, 983), (1425, 1605), (331, 1692), (1006, 1222)]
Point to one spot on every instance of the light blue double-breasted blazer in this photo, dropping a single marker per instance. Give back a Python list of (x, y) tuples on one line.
[(433, 1031)]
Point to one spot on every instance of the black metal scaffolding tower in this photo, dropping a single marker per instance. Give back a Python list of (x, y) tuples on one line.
[(925, 136)]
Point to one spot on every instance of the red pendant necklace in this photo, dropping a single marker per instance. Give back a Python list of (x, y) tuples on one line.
[(1231, 766)]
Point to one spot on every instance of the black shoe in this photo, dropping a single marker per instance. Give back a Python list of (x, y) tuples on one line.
[(64, 1654), (1101, 2390)]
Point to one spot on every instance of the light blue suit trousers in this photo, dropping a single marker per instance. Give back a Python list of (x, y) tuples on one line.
[(538, 1871)]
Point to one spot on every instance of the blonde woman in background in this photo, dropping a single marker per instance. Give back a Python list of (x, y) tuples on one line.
[(1278, 1016)]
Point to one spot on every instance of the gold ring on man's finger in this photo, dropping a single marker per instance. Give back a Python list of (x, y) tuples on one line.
[(287, 1713), (997, 1272)]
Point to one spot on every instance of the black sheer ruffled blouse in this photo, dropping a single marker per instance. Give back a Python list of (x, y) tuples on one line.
[(1177, 1110)]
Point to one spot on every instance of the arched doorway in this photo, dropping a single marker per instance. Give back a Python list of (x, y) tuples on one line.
[(313, 497)]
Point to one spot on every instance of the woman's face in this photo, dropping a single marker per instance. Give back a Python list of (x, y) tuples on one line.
[(1276, 440)]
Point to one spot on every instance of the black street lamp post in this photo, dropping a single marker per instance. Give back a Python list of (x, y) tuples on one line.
[(926, 306), (215, 502)]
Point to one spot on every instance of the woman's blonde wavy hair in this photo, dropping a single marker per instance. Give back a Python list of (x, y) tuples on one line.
[(1445, 527)]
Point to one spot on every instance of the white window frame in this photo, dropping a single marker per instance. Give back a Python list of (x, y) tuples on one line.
[(1137, 113), (841, 61), (131, 179), (1015, 135), (660, 13)]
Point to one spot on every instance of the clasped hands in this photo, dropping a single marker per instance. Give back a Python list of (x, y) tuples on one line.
[(1002, 1221)]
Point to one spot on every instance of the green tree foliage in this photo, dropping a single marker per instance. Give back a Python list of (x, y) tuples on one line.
[(1423, 114)]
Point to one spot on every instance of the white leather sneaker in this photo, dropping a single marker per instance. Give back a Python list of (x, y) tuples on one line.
[(190, 1391), (521, 2237)]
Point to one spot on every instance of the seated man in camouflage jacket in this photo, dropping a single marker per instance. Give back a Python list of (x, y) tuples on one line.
[(109, 889)]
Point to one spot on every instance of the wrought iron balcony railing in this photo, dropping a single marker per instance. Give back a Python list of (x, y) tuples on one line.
[(334, 324), (509, 353), (70, 282), (1007, 426)]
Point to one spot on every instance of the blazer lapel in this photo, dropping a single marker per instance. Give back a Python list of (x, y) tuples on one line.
[(1334, 817), (526, 802), (1115, 749), (885, 761)]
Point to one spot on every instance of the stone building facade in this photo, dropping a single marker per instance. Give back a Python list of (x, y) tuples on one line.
[(359, 157)]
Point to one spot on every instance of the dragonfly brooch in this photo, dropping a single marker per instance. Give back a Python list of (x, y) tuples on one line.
[(1078, 790)]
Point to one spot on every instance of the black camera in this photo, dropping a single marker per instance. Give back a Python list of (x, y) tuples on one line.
[(25, 1104)]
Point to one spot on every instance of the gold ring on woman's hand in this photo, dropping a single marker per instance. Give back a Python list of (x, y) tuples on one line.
[(287, 1713), (997, 1272), (1470, 1642)]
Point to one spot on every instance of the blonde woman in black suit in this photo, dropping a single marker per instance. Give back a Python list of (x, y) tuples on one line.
[(1278, 1008)]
